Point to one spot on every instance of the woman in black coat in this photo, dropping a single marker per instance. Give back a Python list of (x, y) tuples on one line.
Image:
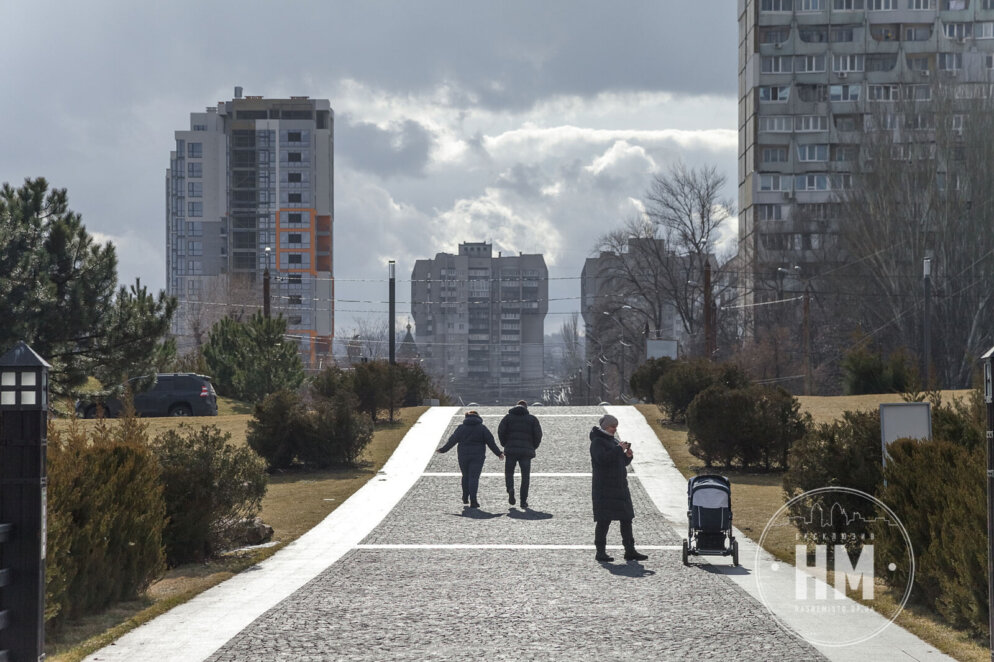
[(609, 460), (473, 438)]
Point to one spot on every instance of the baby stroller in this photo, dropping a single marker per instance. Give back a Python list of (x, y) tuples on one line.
[(709, 518)]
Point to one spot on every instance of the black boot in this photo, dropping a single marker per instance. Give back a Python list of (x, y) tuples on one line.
[(632, 554), (465, 498), (602, 555), (474, 504), (510, 497)]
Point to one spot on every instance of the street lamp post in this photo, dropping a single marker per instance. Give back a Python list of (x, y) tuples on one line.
[(23, 485), (926, 323), (265, 286), (989, 400)]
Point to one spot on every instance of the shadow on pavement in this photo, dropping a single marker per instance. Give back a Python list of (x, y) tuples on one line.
[(721, 569), (632, 569), (515, 513), (476, 513)]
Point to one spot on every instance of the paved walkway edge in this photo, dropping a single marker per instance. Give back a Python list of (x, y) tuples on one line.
[(667, 488), (196, 629)]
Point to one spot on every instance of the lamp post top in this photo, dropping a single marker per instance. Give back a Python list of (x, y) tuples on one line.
[(22, 356)]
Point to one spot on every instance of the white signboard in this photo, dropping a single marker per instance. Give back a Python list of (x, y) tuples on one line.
[(655, 349), (904, 420)]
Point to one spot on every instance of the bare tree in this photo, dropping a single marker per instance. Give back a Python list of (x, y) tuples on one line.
[(921, 191)]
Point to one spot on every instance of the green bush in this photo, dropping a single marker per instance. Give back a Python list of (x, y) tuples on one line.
[(938, 490), (643, 380), (336, 433), (275, 428), (755, 425), (209, 486), (681, 383), (106, 515), (866, 371), (333, 432), (844, 453), (249, 360)]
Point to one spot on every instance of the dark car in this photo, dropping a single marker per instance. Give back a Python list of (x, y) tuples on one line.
[(164, 394)]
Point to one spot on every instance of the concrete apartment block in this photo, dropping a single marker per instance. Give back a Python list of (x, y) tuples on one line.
[(480, 322), (251, 174)]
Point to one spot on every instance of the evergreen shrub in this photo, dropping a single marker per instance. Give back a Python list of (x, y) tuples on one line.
[(106, 515), (210, 486), (681, 383)]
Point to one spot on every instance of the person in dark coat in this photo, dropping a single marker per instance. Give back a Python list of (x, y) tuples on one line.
[(473, 438), (609, 460), (520, 434)]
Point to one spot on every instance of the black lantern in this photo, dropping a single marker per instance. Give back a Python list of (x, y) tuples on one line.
[(23, 380)]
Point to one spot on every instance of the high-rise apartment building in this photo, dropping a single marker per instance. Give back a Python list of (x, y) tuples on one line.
[(815, 78), (250, 187), (480, 322)]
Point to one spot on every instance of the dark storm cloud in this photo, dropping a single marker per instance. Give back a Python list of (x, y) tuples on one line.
[(403, 149)]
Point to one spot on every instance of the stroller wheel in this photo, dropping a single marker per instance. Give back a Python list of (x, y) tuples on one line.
[(685, 552), (735, 552)]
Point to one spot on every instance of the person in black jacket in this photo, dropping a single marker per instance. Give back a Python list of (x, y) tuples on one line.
[(520, 434), (473, 438), (609, 460)]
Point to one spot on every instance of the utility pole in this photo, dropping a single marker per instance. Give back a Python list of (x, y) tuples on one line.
[(392, 273), (927, 342), (808, 378), (265, 287)]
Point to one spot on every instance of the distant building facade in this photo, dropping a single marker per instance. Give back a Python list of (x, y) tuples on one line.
[(249, 175), (815, 78), (480, 322)]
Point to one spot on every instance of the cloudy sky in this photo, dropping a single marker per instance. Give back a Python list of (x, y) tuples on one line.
[(535, 124)]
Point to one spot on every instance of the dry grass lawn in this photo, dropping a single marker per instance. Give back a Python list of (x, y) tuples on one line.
[(757, 496), (294, 503)]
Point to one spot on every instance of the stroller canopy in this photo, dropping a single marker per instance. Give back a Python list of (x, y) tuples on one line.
[(709, 492)]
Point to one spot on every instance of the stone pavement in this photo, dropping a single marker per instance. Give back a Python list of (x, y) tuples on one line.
[(402, 571)]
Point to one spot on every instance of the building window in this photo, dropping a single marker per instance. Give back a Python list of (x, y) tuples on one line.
[(917, 62), (921, 4), (295, 299), (195, 209), (769, 212), (776, 35), (776, 5), (881, 61), (847, 5), (775, 242), (294, 198), (293, 136), (774, 154), (844, 153), (812, 153), (917, 32), (773, 182), (293, 157), (195, 150), (841, 35), (812, 93), (806, 64), (810, 5), (881, 5), (810, 123), (847, 63), (984, 30), (813, 35), (295, 238), (811, 182), (294, 177), (844, 92), (955, 5), (882, 92), (918, 92), (950, 61), (776, 64), (958, 30), (195, 189), (295, 217), (776, 93), (194, 169), (295, 258), (776, 123), (195, 247)]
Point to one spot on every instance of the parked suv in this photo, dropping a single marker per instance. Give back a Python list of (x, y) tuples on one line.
[(164, 394)]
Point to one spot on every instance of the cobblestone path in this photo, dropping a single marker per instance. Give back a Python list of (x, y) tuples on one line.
[(437, 581)]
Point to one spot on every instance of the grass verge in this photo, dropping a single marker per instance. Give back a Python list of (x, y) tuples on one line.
[(756, 497), (294, 503)]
